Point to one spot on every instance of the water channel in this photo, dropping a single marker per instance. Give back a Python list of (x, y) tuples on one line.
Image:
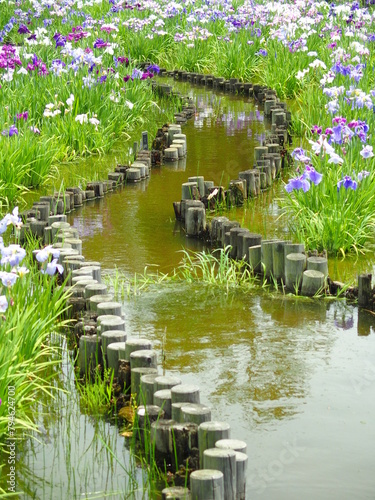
[(294, 378)]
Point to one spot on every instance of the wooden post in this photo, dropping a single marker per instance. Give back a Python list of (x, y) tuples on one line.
[(364, 290), (208, 434), (295, 264), (224, 461), (207, 483)]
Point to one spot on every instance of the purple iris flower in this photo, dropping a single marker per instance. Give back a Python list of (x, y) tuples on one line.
[(123, 60), (297, 151), (337, 134), (154, 68), (298, 183), (23, 29), (100, 43), (146, 75), (314, 176), (22, 116), (60, 41), (13, 130), (43, 254), (347, 182), (12, 254), (315, 129), (261, 52), (52, 267)]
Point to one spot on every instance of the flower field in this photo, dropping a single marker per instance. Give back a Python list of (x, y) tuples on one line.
[(71, 85)]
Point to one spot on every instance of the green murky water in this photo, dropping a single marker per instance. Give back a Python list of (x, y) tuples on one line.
[(293, 377)]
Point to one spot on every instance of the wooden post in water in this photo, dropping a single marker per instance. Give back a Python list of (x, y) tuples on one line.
[(111, 323), (147, 389), (110, 337), (295, 264), (163, 399), (166, 382), (234, 236), (136, 344), (113, 351), (161, 435), (176, 411), (135, 379), (210, 432), (364, 290), (176, 493), (231, 444), (90, 354), (185, 393), (143, 358), (184, 440), (241, 466), (105, 308), (255, 258), (207, 483), (195, 221), (278, 257), (318, 264), (224, 461), (145, 140), (312, 282), (195, 413)]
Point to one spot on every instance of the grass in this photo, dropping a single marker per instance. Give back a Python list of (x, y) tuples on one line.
[(30, 354), (215, 269), (96, 392)]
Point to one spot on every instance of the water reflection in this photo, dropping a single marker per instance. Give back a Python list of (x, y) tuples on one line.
[(138, 221)]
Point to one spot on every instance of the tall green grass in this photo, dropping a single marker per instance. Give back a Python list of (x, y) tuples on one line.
[(30, 351)]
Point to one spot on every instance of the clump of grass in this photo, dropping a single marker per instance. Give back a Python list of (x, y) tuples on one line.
[(124, 286), (96, 392), (216, 268)]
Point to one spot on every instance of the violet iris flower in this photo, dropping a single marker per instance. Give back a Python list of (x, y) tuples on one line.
[(43, 254), (123, 60), (22, 116), (52, 267), (23, 29), (100, 43), (347, 182), (298, 183), (314, 176), (154, 68), (13, 130)]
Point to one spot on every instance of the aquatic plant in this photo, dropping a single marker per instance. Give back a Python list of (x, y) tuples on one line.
[(32, 313), (331, 206), (96, 392), (216, 269)]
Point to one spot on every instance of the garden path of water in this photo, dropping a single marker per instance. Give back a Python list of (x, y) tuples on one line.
[(293, 377)]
